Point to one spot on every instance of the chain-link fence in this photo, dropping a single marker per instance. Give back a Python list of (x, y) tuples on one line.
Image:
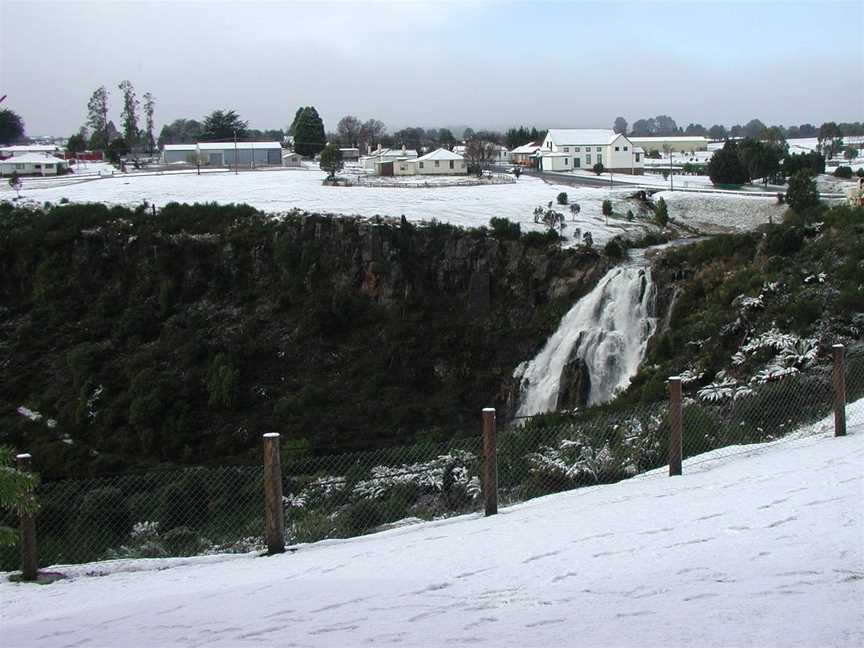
[(192, 511)]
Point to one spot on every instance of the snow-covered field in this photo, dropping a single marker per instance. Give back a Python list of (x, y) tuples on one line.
[(760, 549), (278, 191), (718, 213)]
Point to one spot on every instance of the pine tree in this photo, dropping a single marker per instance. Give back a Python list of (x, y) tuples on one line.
[(309, 138), (661, 213), (725, 166), (802, 193), (11, 127), (16, 492)]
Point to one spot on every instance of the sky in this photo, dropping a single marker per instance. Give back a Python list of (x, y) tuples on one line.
[(478, 63)]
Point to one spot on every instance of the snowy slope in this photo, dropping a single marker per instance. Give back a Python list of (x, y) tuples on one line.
[(761, 549)]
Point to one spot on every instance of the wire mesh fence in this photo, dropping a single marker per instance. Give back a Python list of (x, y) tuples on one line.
[(193, 511)]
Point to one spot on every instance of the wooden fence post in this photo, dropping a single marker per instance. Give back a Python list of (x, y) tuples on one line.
[(29, 553), (675, 425), (274, 518), (839, 379), (490, 462)]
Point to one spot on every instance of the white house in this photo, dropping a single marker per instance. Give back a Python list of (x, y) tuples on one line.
[(33, 164), (383, 155), (565, 149), (438, 162), (524, 155), (25, 149)]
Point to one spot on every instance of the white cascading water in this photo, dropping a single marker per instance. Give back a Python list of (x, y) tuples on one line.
[(611, 325)]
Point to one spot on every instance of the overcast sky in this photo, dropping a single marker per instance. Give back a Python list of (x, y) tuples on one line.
[(483, 64)]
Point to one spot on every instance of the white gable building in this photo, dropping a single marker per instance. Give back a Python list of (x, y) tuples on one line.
[(566, 149), (438, 162), (381, 156)]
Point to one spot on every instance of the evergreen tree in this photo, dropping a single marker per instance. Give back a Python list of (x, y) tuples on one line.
[(11, 127), (725, 166), (661, 213), (331, 160), (16, 493), (129, 115), (97, 119), (293, 127), (802, 193), (309, 138), (717, 132), (446, 139), (620, 125), (181, 131), (223, 126), (76, 143)]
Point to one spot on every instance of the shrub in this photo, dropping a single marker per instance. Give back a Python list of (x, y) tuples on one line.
[(182, 541), (598, 168), (843, 172), (613, 249), (562, 198), (784, 241), (505, 230), (661, 213), (607, 207), (541, 239), (802, 193), (361, 517), (860, 172), (103, 518)]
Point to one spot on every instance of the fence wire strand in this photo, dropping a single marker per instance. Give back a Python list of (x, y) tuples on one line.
[(201, 510)]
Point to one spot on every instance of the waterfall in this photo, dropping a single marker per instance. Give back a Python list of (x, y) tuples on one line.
[(608, 330)]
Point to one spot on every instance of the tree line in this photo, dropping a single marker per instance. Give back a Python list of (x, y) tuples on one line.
[(665, 126)]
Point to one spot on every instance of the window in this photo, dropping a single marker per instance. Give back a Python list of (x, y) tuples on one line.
[(578, 149), (19, 165), (566, 149), (625, 148), (421, 165), (401, 167), (38, 166), (566, 162), (637, 157), (451, 164), (599, 148), (617, 148), (437, 164), (588, 159), (549, 146)]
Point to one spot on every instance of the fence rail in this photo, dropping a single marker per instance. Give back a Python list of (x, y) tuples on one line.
[(192, 511)]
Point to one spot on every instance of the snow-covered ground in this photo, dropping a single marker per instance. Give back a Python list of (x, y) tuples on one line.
[(718, 213), (285, 189), (649, 179), (760, 549), (278, 191)]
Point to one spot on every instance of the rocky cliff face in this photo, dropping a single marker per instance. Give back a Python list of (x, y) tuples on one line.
[(182, 336)]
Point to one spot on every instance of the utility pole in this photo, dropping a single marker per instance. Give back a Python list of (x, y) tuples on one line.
[(671, 174), (235, 152)]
